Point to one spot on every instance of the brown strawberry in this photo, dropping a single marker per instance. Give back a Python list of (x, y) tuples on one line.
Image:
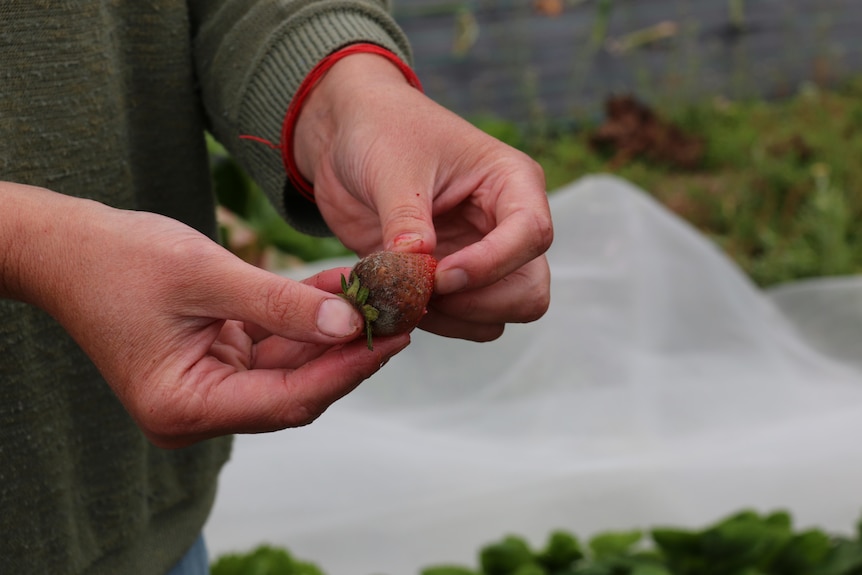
[(391, 290)]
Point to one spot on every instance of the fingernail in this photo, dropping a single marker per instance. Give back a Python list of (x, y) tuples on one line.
[(403, 240), (337, 318), (451, 281)]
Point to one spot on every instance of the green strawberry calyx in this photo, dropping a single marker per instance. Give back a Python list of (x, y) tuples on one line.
[(357, 295)]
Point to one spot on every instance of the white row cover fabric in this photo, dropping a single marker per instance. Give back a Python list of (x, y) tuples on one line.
[(662, 388)]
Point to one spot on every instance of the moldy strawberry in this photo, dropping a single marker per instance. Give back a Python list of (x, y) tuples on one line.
[(391, 290)]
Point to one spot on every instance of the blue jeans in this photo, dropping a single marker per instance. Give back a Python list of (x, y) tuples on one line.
[(194, 562)]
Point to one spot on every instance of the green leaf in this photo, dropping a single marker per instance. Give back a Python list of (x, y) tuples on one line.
[(592, 570), (676, 542), (562, 550), (745, 540), (530, 569), (303, 568), (448, 570), (649, 569), (845, 558), (370, 313), (681, 549), (362, 296), (264, 560), (506, 556), (237, 192), (369, 337), (802, 553), (610, 544), (780, 521), (351, 289), (231, 186)]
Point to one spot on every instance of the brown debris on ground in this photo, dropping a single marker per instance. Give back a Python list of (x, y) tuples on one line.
[(633, 130), (550, 8), (795, 148)]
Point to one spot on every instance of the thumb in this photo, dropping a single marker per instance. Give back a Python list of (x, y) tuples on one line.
[(283, 306), (406, 218)]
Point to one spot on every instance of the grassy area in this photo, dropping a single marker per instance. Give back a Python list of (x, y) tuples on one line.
[(779, 186)]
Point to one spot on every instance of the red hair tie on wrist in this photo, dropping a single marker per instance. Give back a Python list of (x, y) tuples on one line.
[(305, 187)]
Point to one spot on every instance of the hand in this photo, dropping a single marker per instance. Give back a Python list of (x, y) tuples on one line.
[(392, 169), (194, 342)]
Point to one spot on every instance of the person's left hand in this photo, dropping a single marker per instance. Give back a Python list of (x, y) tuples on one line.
[(194, 342), (394, 170)]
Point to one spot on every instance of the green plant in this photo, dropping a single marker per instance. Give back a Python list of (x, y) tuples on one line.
[(604, 11), (736, 11), (265, 560), (236, 192), (744, 543), (777, 187)]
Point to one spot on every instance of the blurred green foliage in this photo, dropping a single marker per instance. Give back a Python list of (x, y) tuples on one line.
[(745, 543), (779, 187), (265, 560), (237, 192)]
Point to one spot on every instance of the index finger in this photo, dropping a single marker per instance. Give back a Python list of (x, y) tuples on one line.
[(523, 232)]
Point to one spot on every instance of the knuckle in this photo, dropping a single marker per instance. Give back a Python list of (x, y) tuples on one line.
[(405, 217), (535, 299), (538, 220), (537, 171), (540, 302), (533, 171), (541, 232)]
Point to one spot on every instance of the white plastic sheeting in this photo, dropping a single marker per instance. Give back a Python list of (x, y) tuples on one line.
[(662, 388)]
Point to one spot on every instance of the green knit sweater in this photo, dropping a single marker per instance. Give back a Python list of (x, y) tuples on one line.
[(109, 99)]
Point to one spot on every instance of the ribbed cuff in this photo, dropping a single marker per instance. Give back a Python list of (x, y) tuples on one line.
[(294, 50)]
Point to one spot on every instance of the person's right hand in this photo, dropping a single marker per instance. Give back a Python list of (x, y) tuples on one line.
[(394, 170), (194, 342)]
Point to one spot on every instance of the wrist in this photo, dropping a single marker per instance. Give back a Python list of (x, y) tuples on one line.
[(36, 229), (329, 96)]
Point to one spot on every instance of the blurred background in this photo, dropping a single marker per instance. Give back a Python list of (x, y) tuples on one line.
[(556, 60), (742, 116)]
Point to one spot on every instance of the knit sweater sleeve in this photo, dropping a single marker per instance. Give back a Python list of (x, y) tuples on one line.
[(251, 56)]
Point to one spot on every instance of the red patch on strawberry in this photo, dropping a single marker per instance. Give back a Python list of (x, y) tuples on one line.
[(391, 290)]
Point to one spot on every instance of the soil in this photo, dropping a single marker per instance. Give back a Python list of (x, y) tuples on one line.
[(632, 130)]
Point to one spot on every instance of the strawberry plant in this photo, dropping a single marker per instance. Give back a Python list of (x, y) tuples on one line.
[(264, 560), (745, 543)]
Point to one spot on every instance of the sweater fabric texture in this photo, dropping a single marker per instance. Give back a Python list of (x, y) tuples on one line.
[(110, 100)]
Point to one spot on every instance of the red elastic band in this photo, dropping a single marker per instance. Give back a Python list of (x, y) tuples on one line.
[(305, 187)]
